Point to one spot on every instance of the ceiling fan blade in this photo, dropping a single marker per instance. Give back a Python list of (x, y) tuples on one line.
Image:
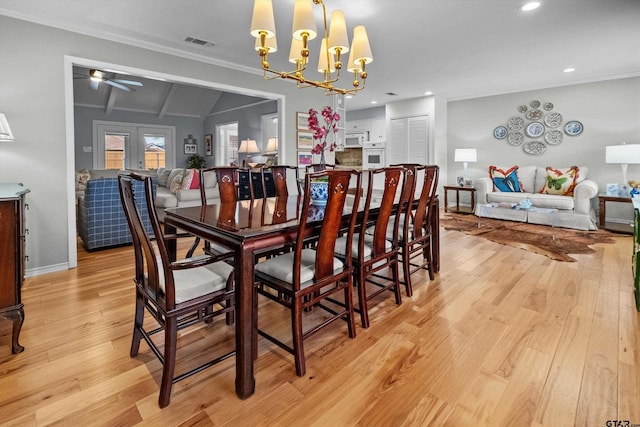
[(118, 85), (127, 82), (93, 84)]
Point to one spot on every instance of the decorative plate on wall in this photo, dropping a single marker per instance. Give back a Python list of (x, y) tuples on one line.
[(553, 137), (534, 148), (573, 128), (534, 104), (523, 109), (534, 114), (515, 123), (534, 129), (548, 106), (500, 132), (553, 120), (516, 138)]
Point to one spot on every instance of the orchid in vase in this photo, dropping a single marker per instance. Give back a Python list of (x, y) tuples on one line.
[(321, 133)]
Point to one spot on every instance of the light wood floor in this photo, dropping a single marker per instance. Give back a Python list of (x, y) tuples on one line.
[(501, 337)]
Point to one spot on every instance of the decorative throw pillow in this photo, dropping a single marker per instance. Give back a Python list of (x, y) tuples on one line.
[(82, 176), (163, 178), (505, 181), (191, 179), (176, 183), (561, 182)]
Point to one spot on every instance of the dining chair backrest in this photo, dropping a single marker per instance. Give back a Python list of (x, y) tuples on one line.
[(339, 184), (394, 178), (317, 167), (425, 199), (151, 257), (227, 182), (408, 186), (279, 174)]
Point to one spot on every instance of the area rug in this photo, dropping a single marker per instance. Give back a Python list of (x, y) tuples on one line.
[(555, 243)]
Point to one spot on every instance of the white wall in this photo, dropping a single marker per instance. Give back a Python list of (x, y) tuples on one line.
[(609, 111), (32, 95)]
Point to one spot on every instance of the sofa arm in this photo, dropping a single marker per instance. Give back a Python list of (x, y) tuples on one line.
[(483, 186), (582, 195)]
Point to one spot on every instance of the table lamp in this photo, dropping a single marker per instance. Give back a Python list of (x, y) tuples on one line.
[(5, 131), (623, 154), (248, 146), (465, 155)]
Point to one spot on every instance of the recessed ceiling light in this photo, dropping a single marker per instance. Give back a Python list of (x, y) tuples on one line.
[(428, 93), (569, 70), (374, 102), (530, 6)]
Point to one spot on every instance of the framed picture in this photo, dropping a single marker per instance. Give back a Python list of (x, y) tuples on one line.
[(190, 149), (305, 158), (208, 144), (612, 189), (305, 140), (301, 120)]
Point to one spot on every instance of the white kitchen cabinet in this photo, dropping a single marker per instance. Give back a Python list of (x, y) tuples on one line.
[(378, 131)]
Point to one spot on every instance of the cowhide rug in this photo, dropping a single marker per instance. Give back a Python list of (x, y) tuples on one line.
[(555, 243)]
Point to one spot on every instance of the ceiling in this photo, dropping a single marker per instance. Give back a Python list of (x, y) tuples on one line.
[(454, 48)]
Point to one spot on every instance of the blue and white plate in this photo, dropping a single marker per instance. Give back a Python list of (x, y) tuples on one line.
[(534, 129), (573, 128), (500, 132)]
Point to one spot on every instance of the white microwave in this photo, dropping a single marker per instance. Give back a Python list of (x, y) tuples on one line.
[(356, 139)]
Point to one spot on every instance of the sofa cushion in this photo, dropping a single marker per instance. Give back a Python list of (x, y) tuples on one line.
[(505, 180), (551, 201), (191, 180), (164, 198), (560, 182), (163, 177), (82, 176)]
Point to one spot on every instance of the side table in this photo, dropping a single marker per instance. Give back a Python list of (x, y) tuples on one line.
[(458, 189), (602, 217)]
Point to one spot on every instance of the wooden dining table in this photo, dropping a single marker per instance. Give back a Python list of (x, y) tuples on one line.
[(248, 227)]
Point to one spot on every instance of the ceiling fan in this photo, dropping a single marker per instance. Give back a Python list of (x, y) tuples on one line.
[(97, 76)]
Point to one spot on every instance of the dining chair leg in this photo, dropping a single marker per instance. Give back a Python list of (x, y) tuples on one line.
[(396, 281), (406, 268), (298, 346), (428, 259), (137, 325), (351, 323), (170, 337), (254, 330), (362, 298)]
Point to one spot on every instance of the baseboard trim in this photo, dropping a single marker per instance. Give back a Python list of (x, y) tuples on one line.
[(31, 272)]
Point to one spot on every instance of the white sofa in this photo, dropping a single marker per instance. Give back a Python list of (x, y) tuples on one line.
[(575, 211), (165, 198)]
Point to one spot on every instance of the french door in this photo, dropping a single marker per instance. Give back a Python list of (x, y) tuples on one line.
[(132, 146)]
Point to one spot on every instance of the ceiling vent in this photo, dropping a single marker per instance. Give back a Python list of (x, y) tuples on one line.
[(391, 94), (199, 42)]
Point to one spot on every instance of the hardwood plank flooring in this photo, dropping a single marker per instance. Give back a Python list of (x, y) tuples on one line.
[(501, 337)]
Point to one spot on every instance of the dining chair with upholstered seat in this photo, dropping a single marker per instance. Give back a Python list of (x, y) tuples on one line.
[(373, 249), (176, 294), (281, 180), (416, 234), (306, 277)]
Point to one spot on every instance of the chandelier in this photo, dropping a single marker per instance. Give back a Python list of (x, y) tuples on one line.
[(334, 46)]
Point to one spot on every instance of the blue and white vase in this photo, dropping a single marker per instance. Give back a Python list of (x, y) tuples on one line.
[(319, 192)]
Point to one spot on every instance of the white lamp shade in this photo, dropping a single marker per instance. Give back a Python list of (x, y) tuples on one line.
[(322, 59), (338, 33), (295, 53), (270, 44), (303, 20), (623, 154), (5, 131), (262, 19), (361, 50), (248, 146), (465, 155), (272, 146)]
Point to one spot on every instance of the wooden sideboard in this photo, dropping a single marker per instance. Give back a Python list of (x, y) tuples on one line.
[(12, 256)]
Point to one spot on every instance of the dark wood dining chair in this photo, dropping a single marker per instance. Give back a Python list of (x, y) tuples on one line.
[(176, 294), (416, 234), (227, 184), (306, 277), (373, 249), (280, 181)]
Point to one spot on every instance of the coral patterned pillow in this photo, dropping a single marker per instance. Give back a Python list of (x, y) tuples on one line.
[(191, 179), (561, 182), (505, 181)]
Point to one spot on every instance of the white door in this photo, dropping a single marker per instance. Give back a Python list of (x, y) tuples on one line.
[(126, 146), (227, 149)]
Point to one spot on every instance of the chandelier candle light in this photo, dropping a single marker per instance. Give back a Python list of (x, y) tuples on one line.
[(334, 45)]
